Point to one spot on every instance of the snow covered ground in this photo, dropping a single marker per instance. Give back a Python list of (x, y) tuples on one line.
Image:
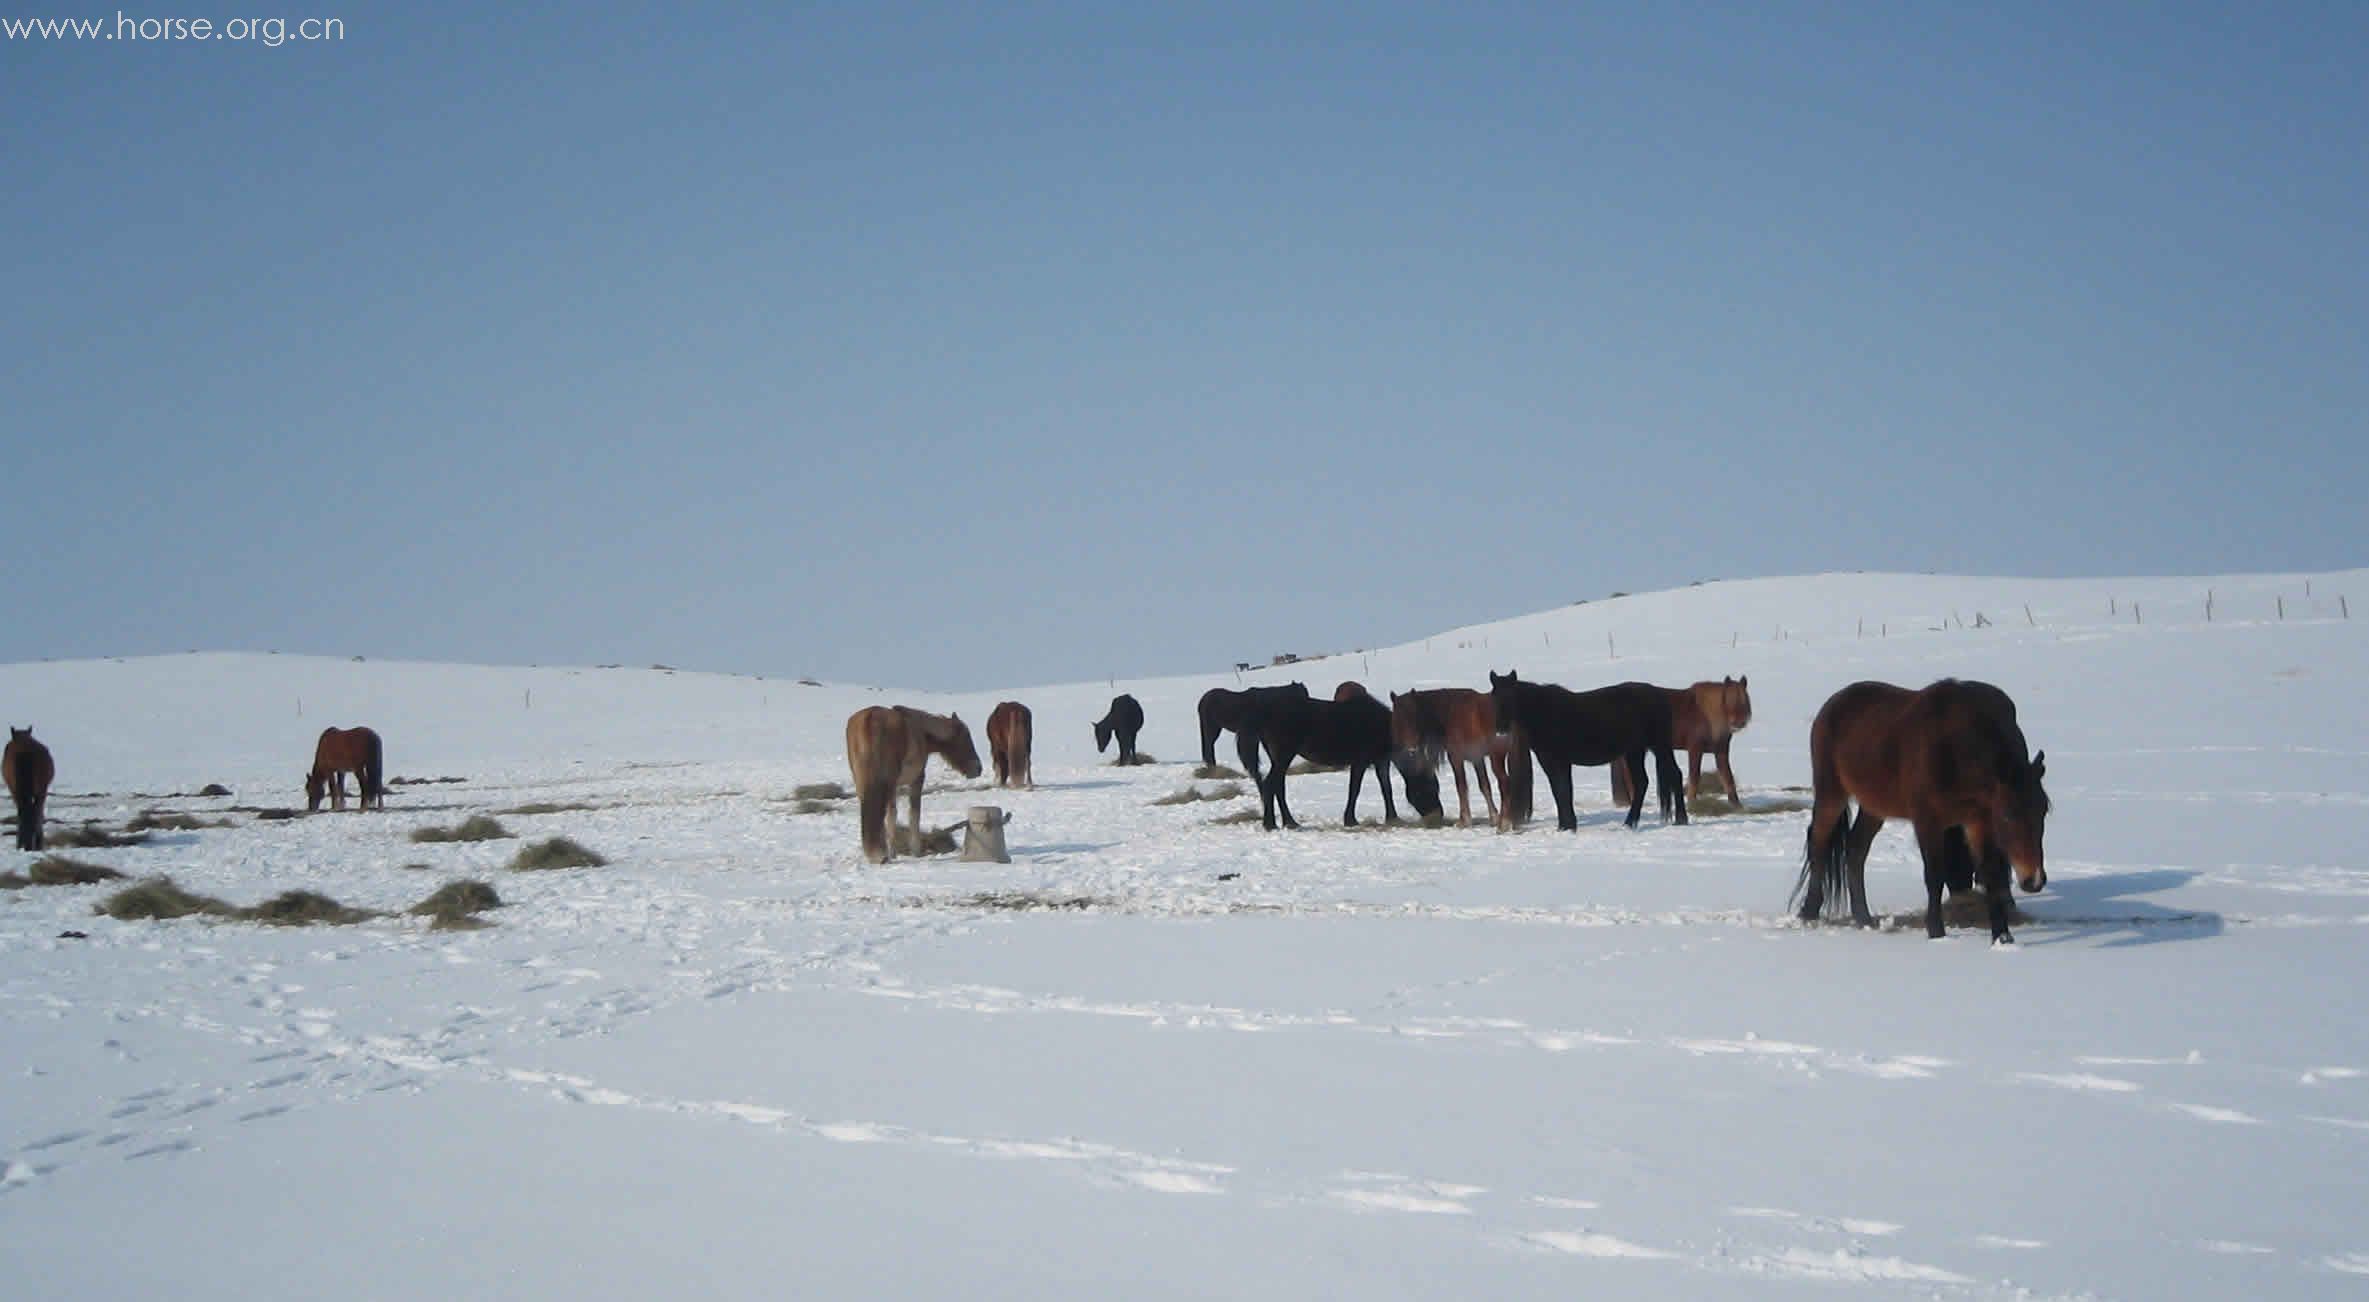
[(1160, 1056)]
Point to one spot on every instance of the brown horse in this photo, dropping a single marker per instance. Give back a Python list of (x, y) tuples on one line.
[(1704, 717), (27, 768), (1011, 732), (1349, 690), (1461, 724), (342, 751), (1951, 760), (887, 748)]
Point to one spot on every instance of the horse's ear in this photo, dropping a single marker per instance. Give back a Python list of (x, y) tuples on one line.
[(2039, 765)]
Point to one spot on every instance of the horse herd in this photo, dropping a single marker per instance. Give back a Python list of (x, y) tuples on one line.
[(1950, 759)]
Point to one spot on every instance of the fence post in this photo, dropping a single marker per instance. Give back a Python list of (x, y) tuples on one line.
[(2282, 608), (2028, 615), (2208, 605), (2135, 616), (1611, 652)]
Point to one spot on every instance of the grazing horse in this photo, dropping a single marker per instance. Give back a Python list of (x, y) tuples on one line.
[(1011, 732), (888, 746), (1704, 717), (342, 751), (1221, 711), (1124, 721), (27, 768), (1610, 725), (1461, 724), (1951, 760), (1354, 733)]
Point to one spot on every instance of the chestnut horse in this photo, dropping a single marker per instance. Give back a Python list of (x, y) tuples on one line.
[(1221, 711), (1704, 717), (27, 768), (1123, 722), (1354, 733), (1951, 760), (342, 751), (1011, 732), (1461, 724), (888, 746), (1610, 725)]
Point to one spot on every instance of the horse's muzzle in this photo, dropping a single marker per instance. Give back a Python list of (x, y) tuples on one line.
[(2033, 884)]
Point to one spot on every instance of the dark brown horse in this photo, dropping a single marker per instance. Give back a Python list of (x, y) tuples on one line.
[(1354, 733), (1620, 724), (888, 746), (1221, 711), (1350, 689), (27, 768), (1952, 761), (1461, 725), (1124, 721), (1703, 718), (1011, 734), (342, 751)]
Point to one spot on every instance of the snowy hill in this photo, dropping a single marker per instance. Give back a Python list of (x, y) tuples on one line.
[(1160, 1055)]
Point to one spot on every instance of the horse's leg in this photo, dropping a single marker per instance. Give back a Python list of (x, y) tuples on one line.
[(1673, 801), (1863, 832), (1382, 776), (1502, 813), (1620, 782), (1829, 818), (913, 815), (1480, 778), (1558, 780), (337, 790), (1278, 768), (1356, 780), (1994, 885), (1246, 749), (1727, 774), (1463, 792), (1930, 835), (1694, 771), (1634, 762)]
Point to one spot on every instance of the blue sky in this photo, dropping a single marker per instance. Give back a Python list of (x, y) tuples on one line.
[(959, 348)]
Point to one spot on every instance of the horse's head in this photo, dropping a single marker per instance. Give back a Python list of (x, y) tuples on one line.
[(2019, 816), (1501, 694), (1421, 781), (1102, 731), (315, 786), (1349, 690), (1735, 702), (19, 734), (957, 748)]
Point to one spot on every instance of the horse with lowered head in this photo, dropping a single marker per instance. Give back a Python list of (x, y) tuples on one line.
[(888, 746), (1011, 734), (1703, 718), (1610, 725), (1950, 759), (27, 768), (1460, 725), (1221, 711), (1354, 733), (339, 752), (1124, 721)]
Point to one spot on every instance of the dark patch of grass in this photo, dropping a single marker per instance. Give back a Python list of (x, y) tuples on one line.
[(454, 905), (547, 807), (91, 836), (1310, 768), (1021, 902), (275, 813), (820, 791), (422, 782), (161, 820), (1192, 795), (1239, 816), (58, 870), (1141, 758), (813, 807), (213, 789), (415, 867), (558, 852), (476, 827), (1217, 773), (936, 840), (160, 897), (305, 909)]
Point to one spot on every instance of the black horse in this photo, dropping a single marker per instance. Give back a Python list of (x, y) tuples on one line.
[(1221, 711), (1124, 721), (1354, 733), (1611, 725)]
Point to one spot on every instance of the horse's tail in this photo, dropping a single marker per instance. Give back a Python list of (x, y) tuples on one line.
[(1210, 728), (1825, 865), (374, 772), (872, 803)]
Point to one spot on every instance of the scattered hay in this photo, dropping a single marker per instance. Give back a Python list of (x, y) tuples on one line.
[(275, 813), (1310, 768), (421, 782), (812, 791), (1964, 911), (1236, 818), (1019, 902), (1715, 805), (936, 840), (1217, 773), (91, 836), (454, 905), (476, 827), (1191, 795), (160, 897), (547, 807), (813, 807), (305, 909), (558, 852), (1141, 758), (415, 867), (160, 820), (58, 870), (213, 789)]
